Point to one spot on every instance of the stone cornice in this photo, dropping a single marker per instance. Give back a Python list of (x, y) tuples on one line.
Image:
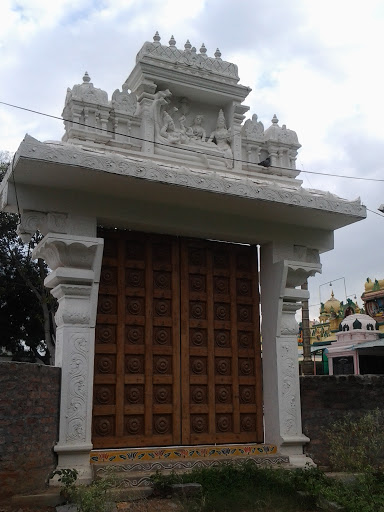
[(258, 188), (170, 55)]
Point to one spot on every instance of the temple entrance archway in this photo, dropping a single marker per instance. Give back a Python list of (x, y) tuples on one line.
[(177, 353)]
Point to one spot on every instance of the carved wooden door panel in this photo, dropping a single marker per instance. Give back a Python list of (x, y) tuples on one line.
[(177, 349), (220, 344), (137, 360)]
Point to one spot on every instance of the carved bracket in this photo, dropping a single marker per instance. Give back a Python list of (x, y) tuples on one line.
[(295, 274), (31, 221)]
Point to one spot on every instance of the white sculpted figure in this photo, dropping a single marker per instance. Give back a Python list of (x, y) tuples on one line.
[(198, 132), (179, 137), (222, 137), (186, 133), (168, 130)]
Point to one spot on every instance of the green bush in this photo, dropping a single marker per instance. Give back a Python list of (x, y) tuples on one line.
[(93, 497), (88, 498), (162, 483), (68, 478), (357, 444)]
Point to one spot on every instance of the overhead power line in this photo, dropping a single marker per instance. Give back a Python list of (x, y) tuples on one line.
[(372, 211), (318, 173)]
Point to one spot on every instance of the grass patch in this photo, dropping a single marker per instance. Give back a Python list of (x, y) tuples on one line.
[(357, 444), (238, 488), (247, 488)]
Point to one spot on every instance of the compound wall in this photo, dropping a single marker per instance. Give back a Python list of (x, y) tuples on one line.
[(328, 398), (29, 422)]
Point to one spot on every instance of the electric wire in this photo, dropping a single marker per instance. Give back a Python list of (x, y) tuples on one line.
[(372, 211), (318, 173)]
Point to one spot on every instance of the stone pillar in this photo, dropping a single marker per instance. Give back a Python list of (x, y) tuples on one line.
[(273, 152), (238, 118), (145, 96), (330, 365), (307, 368), (75, 262), (284, 267)]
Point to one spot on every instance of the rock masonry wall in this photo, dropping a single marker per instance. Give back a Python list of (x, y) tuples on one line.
[(29, 422), (328, 398)]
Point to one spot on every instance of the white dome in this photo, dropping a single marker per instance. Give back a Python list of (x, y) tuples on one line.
[(358, 322)]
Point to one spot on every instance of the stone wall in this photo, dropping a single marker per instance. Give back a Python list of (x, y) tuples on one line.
[(29, 422), (327, 398)]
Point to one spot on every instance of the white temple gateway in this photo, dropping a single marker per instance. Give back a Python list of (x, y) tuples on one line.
[(155, 207)]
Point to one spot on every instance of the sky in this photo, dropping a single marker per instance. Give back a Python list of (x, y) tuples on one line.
[(316, 65)]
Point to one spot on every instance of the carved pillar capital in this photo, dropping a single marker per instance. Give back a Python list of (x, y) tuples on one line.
[(75, 305), (69, 251)]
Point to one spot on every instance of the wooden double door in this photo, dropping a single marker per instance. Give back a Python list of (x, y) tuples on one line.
[(177, 353)]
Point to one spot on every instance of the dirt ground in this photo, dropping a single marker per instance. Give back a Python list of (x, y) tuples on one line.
[(142, 505)]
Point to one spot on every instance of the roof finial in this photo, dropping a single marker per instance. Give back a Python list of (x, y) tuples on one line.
[(156, 37), (217, 53), (203, 49), (274, 119), (172, 41), (193, 49), (86, 77), (187, 45)]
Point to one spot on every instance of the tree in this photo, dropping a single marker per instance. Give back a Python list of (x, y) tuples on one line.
[(26, 306)]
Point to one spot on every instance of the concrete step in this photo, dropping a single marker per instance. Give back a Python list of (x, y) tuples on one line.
[(47, 498)]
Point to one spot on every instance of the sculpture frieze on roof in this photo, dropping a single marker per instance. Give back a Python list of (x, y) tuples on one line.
[(167, 112)]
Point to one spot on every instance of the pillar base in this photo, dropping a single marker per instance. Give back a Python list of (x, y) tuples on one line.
[(74, 457), (307, 367), (292, 446)]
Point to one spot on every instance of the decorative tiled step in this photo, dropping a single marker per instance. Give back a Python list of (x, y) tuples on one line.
[(133, 467)]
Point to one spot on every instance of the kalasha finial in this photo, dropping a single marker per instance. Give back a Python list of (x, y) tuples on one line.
[(187, 45), (203, 49), (156, 37), (172, 41), (86, 77), (274, 119), (217, 53)]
